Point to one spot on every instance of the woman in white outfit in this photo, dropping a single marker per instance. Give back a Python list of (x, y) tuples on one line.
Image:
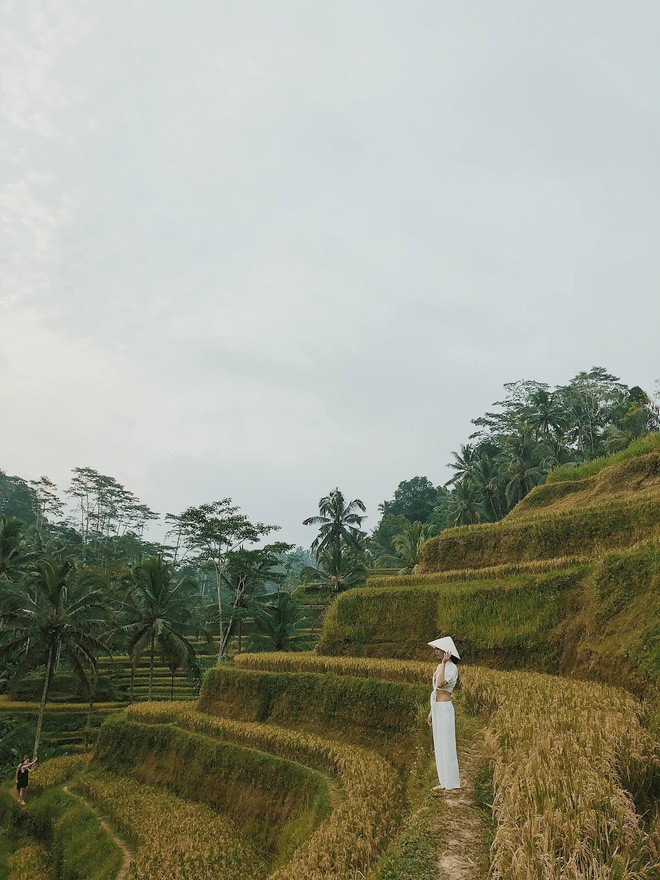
[(441, 717)]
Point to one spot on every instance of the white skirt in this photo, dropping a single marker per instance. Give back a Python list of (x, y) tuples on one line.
[(444, 742)]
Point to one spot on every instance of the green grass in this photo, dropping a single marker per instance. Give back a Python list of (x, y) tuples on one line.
[(6, 849), (643, 446), (79, 846)]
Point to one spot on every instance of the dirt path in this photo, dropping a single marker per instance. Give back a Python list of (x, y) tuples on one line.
[(126, 855), (465, 828)]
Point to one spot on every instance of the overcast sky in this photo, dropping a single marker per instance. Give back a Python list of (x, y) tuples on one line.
[(264, 249)]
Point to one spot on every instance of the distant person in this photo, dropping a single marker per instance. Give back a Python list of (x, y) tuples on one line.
[(441, 717), (23, 777)]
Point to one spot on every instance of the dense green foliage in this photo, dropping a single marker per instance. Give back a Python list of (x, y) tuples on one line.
[(537, 430)]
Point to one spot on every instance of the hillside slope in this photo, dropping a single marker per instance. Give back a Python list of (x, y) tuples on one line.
[(569, 582)]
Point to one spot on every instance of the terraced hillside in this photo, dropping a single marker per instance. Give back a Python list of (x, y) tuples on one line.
[(569, 582), (318, 765)]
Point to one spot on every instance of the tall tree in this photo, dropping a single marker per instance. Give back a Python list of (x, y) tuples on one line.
[(165, 606), (414, 499), (57, 609), (339, 522), (279, 623), (338, 568), (209, 533), (246, 574)]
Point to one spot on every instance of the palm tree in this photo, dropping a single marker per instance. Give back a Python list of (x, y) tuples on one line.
[(465, 505), (407, 546), (524, 464), (463, 464), (278, 622), (13, 554), (163, 610), (547, 415), (338, 522), (487, 479), (58, 609), (337, 569)]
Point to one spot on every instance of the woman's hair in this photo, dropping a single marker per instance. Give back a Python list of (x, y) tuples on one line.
[(459, 684)]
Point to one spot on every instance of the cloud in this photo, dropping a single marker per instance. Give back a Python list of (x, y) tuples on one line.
[(266, 250)]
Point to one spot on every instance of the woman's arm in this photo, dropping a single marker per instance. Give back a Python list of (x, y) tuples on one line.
[(441, 671)]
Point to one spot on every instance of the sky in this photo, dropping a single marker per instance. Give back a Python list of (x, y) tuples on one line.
[(261, 250)]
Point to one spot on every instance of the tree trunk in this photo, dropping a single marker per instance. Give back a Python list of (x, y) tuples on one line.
[(90, 712), (44, 697), (218, 586), (227, 635), (151, 666), (240, 634)]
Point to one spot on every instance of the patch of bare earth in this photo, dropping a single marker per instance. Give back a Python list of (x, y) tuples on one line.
[(465, 827)]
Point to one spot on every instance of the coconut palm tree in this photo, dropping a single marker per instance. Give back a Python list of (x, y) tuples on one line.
[(337, 568), (407, 546), (338, 522), (524, 464), (278, 622), (463, 464), (465, 505), (13, 551), (57, 609), (163, 608)]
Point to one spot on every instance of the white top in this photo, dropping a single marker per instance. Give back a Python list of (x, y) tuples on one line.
[(451, 677)]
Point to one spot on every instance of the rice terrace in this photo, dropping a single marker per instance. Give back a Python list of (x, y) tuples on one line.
[(315, 761), (330, 443)]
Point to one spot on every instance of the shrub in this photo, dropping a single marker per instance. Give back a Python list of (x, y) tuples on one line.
[(30, 862), (361, 823), (278, 802), (172, 838)]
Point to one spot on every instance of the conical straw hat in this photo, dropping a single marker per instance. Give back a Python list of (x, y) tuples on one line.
[(446, 643)]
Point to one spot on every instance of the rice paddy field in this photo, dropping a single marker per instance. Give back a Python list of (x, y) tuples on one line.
[(318, 765)]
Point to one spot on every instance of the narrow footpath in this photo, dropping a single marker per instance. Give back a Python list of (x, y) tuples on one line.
[(126, 855), (464, 824)]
